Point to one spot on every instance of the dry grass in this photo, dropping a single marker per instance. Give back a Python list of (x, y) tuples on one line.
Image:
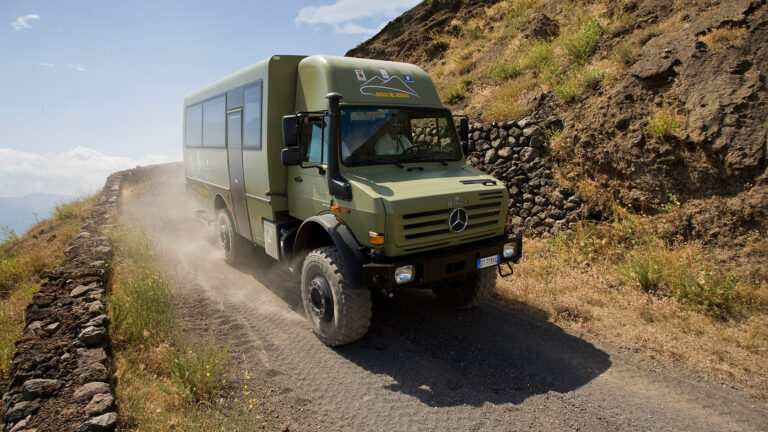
[(508, 102), (620, 281), (22, 259), (165, 382), (722, 38)]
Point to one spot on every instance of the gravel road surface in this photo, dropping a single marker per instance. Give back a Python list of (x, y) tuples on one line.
[(421, 367)]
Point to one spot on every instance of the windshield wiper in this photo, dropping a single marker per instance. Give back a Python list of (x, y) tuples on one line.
[(423, 157)]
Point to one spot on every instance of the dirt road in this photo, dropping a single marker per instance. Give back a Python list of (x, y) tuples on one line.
[(421, 367)]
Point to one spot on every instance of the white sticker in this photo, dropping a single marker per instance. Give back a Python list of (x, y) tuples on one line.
[(360, 74), (384, 74)]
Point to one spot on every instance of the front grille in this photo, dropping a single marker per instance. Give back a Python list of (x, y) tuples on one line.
[(431, 224)]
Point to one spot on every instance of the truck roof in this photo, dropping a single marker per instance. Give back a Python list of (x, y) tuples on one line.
[(360, 82)]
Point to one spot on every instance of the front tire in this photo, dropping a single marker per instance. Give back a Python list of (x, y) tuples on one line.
[(229, 241), (339, 313), (475, 290)]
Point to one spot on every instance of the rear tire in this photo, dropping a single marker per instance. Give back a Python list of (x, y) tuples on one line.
[(339, 313), (475, 290), (233, 245)]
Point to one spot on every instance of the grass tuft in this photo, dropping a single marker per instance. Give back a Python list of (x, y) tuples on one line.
[(504, 71), (663, 122), (624, 53), (582, 45)]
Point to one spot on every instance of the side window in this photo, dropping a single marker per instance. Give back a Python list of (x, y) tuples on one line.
[(252, 117), (315, 141), (193, 130), (214, 122)]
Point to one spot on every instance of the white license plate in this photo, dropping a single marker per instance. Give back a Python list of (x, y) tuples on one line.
[(487, 261)]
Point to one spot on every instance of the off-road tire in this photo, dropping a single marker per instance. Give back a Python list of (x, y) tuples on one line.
[(351, 315), (475, 290), (235, 247)]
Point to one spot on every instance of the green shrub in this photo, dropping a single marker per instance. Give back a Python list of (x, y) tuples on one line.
[(581, 45), (504, 71), (540, 56), (142, 310), (568, 91), (63, 212), (624, 53), (199, 371), (455, 94), (663, 122)]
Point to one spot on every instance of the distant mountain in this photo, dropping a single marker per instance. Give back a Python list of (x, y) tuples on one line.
[(18, 213)]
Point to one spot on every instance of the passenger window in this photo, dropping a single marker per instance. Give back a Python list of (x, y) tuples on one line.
[(214, 122), (315, 140), (193, 121), (252, 117)]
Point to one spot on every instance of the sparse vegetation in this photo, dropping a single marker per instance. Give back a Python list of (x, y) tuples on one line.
[(164, 381), (621, 280), (22, 259), (663, 122)]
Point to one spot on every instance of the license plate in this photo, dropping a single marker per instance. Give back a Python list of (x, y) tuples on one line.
[(488, 261)]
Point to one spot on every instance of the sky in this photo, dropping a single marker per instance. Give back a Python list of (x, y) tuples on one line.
[(91, 87)]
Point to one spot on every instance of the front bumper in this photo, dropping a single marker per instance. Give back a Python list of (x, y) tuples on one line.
[(434, 266)]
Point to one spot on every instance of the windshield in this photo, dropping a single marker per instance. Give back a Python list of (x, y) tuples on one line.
[(383, 135)]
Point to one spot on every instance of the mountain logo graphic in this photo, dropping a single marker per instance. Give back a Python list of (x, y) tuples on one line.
[(378, 86)]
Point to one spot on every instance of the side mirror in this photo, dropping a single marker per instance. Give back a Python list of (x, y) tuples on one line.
[(290, 156), (290, 131), (464, 129)]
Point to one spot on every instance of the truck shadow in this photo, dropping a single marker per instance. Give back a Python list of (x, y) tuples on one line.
[(448, 358), (491, 354)]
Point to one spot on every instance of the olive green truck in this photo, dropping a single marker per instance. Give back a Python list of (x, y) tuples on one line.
[(353, 173)]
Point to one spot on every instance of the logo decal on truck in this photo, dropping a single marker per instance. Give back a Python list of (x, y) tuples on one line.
[(360, 74), (392, 87), (458, 219)]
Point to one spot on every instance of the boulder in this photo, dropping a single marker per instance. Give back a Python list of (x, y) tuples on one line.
[(88, 391), (39, 388)]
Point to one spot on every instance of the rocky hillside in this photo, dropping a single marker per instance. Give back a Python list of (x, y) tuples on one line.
[(663, 103)]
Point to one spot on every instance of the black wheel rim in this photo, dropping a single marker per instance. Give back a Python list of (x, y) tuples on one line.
[(321, 298)]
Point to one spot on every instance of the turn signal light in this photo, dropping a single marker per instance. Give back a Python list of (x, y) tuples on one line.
[(335, 208), (375, 239)]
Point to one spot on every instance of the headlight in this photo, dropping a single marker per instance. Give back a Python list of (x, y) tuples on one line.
[(511, 250), (404, 274)]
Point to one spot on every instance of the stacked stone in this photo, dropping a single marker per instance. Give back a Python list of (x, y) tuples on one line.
[(61, 374), (517, 152)]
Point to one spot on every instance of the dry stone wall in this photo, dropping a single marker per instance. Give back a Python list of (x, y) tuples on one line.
[(61, 375), (517, 152)]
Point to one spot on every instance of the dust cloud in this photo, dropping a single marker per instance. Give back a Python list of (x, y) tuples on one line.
[(161, 207)]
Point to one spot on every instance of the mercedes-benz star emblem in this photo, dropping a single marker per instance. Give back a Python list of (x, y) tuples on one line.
[(458, 219)]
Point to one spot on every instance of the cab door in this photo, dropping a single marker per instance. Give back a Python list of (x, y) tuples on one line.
[(307, 184), (236, 180)]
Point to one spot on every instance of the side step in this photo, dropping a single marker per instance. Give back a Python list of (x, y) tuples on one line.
[(201, 216)]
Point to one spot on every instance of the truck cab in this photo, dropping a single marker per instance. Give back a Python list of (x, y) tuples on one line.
[(364, 190)]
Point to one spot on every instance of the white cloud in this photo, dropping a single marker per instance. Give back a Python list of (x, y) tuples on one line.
[(80, 170), (23, 22), (341, 14), (44, 64), (77, 66)]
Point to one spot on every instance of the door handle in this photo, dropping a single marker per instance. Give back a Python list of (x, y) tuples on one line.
[(298, 179)]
